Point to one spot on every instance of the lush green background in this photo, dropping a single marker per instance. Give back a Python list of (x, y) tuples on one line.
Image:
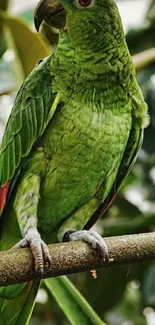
[(120, 295)]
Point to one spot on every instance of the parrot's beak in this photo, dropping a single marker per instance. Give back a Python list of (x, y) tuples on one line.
[(50, 11)]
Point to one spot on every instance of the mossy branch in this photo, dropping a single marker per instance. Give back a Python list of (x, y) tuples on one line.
[(16, 265)]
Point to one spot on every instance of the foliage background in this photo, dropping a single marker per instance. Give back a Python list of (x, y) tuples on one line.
[(121, 295)]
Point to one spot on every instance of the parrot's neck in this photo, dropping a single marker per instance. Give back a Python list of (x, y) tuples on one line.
[(106, 57), (81, 69)]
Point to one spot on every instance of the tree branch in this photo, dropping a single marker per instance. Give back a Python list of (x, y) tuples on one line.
[(143, 59), (16, 265)]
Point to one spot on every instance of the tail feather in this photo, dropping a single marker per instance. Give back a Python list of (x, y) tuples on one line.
[(17, 311)]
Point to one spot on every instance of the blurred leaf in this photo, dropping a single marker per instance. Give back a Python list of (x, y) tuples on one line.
[(129, 309), (29, 45), (151, 12), (140, 38), (17, 67), (143, 37), (4, 4), (149, 286), (3, 45), (73, 304)]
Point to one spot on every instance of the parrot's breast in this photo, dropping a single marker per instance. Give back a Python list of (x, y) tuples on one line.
[(84, 145)]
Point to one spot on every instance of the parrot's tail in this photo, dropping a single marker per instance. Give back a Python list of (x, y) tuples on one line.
[(17, 303)]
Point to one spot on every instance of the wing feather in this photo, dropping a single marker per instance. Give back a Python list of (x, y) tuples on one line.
[(27, 120), (12, 158)]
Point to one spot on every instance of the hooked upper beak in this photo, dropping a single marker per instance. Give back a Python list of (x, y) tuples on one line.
[(50, 11)]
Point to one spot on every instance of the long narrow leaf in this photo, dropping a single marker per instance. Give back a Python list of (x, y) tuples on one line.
[(73, 304), (30, 47), (18, 311)]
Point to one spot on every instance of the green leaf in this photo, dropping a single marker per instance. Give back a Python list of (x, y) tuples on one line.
[(29, 46), (3, 46), (17, 68), (148, 288), (18, 311), (4, 4), (73, 304)]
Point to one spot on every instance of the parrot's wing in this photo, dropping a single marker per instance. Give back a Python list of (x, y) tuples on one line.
[(33, 108), (130, 154)]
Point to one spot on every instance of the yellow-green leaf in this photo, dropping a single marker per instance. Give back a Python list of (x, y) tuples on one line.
[(30, 47)]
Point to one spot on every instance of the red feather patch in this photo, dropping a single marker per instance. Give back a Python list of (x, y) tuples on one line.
[(3, 196)]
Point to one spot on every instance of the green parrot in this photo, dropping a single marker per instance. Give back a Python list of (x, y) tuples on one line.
[(72, 137)]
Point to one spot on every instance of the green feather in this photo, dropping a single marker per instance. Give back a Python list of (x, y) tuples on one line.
[(25, 126), (74, 133)]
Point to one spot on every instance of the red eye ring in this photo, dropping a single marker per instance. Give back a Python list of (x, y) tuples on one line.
[(85, 3)]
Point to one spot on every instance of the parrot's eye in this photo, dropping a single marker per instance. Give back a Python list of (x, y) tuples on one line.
[(84, 3), (81, 4)]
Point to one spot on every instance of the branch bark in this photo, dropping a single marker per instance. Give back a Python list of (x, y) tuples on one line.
[(16, 265)]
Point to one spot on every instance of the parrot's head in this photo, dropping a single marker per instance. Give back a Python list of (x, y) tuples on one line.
[(87, 22)]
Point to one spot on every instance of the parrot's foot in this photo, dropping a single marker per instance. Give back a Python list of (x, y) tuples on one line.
[(90, 237), (38, 248)]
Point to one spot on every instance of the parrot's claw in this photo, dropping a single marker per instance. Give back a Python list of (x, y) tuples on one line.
[(38, 248), (90, 237)]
